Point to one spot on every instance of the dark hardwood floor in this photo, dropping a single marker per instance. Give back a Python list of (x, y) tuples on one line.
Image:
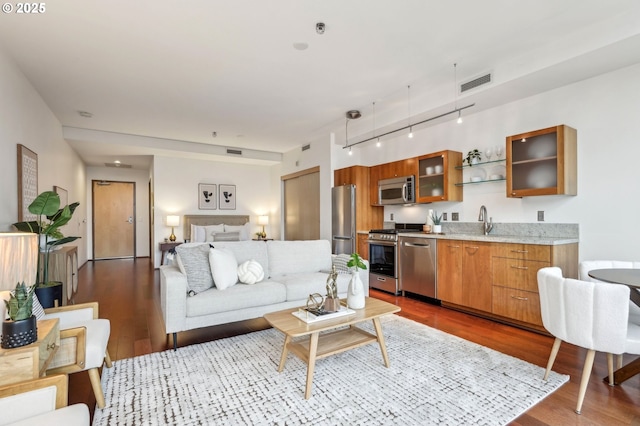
[(128, 293)]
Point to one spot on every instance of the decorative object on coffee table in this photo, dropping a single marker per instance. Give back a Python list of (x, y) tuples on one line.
[(355, 294), (20, 329), (332, 302)]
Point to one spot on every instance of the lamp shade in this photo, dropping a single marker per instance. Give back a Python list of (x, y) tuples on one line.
[(18, 259), (263, 220), (173, 220)]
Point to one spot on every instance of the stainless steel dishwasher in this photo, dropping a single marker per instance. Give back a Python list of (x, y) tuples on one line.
[(417, 261)]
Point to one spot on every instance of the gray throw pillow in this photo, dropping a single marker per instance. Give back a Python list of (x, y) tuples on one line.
[(195, 260), (340, 261)]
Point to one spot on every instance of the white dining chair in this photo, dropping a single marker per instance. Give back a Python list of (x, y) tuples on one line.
[(592, 315)]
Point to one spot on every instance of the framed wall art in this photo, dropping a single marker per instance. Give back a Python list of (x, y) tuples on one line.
[(227, 197), (207, 196), (63, 194), (27, 182)]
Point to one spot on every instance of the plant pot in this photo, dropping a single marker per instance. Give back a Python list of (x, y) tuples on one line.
[(332, 304), (436, 229), (19, 333), (50, 294)]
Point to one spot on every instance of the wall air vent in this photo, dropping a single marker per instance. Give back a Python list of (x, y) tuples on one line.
[(118, 165), (234, 151), (306, 147), (472, 84)]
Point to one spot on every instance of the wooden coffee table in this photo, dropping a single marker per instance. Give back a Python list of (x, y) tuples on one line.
[(310, 345)]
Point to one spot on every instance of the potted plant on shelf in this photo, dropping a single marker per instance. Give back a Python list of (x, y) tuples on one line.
[(472, 157), (50, 218), (437, 222), (355, 294), (21, 327)]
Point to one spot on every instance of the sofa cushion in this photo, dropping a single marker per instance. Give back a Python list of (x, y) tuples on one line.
[(250, 272), (300, 286), (240, 296), (194, 258), (224, 268), (292, 257)]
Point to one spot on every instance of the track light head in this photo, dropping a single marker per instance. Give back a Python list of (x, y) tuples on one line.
[(353, 114)]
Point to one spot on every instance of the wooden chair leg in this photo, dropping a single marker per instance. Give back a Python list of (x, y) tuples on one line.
[(107, 359), (619, 366), (610, 368), (94, 376), (584, 381), (552, 357)]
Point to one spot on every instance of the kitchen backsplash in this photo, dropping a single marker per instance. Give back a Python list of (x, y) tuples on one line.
[(568, 230)]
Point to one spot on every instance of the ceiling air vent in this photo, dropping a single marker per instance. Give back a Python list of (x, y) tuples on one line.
[(485, 79), (118, 165), (306, 147), (234, 151)]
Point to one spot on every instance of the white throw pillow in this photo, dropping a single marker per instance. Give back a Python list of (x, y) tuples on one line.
[(250, 272), (224, 268), (197, 234), (243, 230)]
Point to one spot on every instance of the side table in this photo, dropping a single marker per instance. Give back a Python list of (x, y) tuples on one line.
[(31, 361), (165, 247)]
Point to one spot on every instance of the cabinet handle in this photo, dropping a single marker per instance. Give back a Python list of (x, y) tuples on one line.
[(381, 279), (520, 251), (520, 298), (453, 246), (519, 267), (473, 247), (51, 346)]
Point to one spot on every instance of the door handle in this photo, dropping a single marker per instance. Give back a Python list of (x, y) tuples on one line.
[(417, 245), (130, 220)]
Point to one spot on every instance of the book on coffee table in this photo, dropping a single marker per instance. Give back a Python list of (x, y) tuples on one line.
[(310, 316)]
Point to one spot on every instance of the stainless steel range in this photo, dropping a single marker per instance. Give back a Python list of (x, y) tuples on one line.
[(383, 256)]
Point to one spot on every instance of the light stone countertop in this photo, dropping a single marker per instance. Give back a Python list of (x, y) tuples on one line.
[(518, 239)]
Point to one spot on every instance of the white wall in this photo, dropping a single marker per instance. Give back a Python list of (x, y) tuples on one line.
[(604, 110), (175, 186), (141, 180), (25, 119)]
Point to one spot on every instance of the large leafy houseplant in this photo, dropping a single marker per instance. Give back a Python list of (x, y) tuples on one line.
[(50, 218)]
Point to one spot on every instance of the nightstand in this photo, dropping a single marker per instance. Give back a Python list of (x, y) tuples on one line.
[(165, 247), (31, 361)]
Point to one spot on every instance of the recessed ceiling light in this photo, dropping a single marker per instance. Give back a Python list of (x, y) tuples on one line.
[(85, 114), (300, 45)]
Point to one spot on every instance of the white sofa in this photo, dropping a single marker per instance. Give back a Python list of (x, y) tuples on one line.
[(292, 271)]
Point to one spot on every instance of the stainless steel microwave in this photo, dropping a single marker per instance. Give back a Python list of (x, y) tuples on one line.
[(400, 190)]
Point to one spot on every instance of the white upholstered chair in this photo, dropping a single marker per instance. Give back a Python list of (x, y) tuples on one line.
[(83, 342), (39, 402), (591, 315)]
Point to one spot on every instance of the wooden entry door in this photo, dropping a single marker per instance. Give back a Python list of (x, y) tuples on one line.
[(114, 222), (302, 205)]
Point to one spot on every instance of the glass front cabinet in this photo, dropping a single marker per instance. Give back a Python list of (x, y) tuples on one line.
[(437, 176), (542, 162)]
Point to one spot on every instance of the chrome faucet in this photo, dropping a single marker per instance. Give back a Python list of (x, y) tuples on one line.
[(487, 226)]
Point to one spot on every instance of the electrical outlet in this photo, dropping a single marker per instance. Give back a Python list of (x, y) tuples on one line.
[(540, 215), (391, 216), (454, 217), (444, 216)]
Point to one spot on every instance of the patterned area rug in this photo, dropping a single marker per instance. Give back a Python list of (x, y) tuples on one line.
[(434, 379)]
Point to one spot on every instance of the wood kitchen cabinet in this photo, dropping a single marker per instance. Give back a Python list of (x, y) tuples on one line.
[(542, 162), (367, 216), (362, 245), (514, 271), (406, 167), (437, 175), (464, 273)]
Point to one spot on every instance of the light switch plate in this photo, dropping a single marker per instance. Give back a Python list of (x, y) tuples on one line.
[(454, 216), (444, 216), (540, 215)]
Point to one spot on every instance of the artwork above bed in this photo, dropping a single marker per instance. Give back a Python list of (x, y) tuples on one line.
[(216, 228)]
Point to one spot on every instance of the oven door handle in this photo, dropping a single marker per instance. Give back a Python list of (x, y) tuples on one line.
[(382, 243)]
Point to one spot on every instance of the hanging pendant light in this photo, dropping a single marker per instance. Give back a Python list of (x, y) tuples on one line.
[(409, 111), (373, 125), (455, 93)]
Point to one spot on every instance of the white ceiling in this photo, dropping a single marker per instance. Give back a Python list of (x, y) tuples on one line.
[(159, 76)]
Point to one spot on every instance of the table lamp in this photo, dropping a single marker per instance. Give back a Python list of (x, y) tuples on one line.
[(173, 221), (263, 220), (18, 259)]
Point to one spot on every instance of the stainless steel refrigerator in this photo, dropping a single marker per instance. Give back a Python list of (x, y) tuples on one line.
[(343, 219)]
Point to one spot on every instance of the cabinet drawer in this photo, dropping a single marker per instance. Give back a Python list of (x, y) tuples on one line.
[(517, 304), (517, 274), (523, 251)]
